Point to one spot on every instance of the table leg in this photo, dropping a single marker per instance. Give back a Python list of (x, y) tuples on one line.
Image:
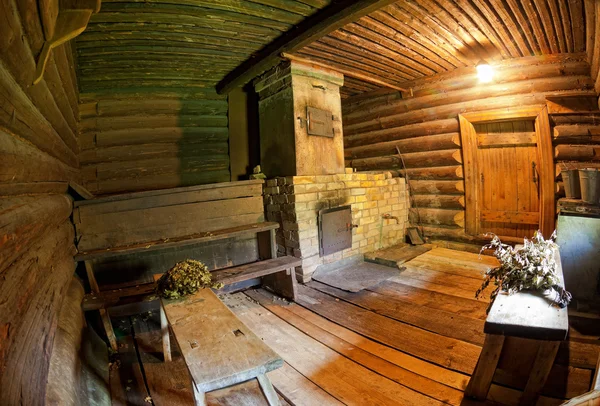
[(199, 396), (479, 384), (164, 329), (544, 360), (268, 390)]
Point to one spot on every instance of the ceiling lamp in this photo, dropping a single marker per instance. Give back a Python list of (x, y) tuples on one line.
[(485, 72)]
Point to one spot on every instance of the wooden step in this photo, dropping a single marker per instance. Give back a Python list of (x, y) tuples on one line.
[(193, 239), (228, 276), (255, 270)]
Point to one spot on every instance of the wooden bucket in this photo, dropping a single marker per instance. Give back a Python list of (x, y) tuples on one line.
[(590, 185), (572, 184)]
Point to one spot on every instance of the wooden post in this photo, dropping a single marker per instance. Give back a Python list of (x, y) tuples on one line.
[(479, 384), (544, 360), (199, 396), (164, 329), (268, 390), (110, 333)]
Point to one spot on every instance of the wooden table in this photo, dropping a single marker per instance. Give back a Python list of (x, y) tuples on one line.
[(526, 314), (218, 349)]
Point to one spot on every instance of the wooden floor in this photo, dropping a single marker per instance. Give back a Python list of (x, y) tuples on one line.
[(412, 340)]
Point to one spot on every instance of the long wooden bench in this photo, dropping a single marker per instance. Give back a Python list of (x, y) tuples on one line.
[(218, 349), (145, 222), (527, 315)]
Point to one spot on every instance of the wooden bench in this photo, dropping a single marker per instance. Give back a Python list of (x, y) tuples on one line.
[(218, 349), (528, 315), (145, 222)]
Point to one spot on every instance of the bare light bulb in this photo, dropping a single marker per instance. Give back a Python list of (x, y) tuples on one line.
[(485, 73)]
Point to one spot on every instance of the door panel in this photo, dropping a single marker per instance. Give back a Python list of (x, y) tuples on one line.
[(508, 197)]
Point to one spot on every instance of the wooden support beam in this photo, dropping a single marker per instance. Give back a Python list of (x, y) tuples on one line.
[(311, 29)]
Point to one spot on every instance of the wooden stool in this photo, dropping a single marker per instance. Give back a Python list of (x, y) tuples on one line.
[(206, 332), (527, 315)]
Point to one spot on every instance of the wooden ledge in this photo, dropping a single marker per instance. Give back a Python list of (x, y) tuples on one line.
[(193, 239)]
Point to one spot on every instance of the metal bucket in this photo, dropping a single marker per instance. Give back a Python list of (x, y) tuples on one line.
[(590, 185), (572, 186)]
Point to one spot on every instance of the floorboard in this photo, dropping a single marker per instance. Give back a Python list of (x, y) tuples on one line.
[(412, 340)]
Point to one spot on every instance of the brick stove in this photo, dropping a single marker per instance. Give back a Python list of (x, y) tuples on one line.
[(307, 172)]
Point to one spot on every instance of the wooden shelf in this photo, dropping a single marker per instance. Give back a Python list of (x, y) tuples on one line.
[(577, 206), (193, 239)]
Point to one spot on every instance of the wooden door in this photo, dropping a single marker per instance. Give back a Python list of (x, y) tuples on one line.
[(505, 149), (508, 167)]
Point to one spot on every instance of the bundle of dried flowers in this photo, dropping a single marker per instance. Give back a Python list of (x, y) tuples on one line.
[(531, 267), (185, 278)]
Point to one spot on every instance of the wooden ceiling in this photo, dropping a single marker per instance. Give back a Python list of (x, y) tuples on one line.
[(137, 45), (193, 44), (416, 38)]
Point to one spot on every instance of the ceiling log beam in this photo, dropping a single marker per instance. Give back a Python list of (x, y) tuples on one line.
[(311, 29), (345, 71)]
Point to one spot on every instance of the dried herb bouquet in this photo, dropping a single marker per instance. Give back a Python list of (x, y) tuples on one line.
[(185, 278), (531, 267)]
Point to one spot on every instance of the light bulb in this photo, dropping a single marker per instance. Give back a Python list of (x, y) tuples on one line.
[(485, 73)]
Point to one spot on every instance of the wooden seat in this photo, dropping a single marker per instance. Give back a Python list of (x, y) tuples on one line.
[(526, 315), (171, 219), (218, 349), (228, 276)]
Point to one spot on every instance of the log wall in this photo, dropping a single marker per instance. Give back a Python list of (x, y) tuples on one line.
[(38, 157), (152, 140), (425, 128)]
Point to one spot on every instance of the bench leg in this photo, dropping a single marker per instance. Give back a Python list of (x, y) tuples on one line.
[(479, 384), (199, 397), (268, 390), (283, 283), (544, 360), (108, 328), (164, 329)]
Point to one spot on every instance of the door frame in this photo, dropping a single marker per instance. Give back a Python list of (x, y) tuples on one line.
[(545, 152)]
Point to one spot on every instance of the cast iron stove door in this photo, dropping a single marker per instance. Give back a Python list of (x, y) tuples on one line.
[(335, 230)]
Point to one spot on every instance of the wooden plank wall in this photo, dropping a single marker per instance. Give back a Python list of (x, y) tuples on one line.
[(426, 130), (38, 157), (152, 140)]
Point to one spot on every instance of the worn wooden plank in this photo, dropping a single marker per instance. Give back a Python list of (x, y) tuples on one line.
[(440, 321), (510, 217), (409, 379), (344, 379), (396, 255), (432, 299), (462, 357), (189, 240), (528, 315), (176, 197), (202, 347), (112, 230), (256, 269)]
